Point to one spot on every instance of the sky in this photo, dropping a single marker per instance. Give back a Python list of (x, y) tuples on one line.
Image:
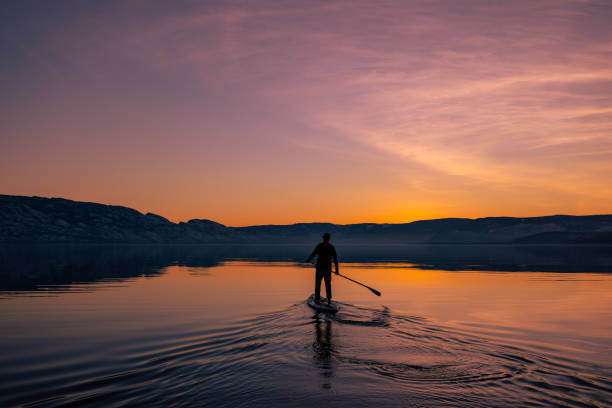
[(276, 112)]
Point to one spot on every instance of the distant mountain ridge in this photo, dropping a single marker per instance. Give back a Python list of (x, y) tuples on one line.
[(50, 220)]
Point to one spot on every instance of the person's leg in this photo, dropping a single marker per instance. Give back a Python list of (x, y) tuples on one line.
[(327, 277), (318, 277)]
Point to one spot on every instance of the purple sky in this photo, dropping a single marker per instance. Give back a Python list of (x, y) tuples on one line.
[(278, 112)]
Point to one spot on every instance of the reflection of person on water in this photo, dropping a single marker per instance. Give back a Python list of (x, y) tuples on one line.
[(325, 253), (324, 348)]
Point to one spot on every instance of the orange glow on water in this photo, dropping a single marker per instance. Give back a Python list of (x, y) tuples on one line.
[(570, 305)]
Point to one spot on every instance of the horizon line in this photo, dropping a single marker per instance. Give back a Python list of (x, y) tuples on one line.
[(307, 222)]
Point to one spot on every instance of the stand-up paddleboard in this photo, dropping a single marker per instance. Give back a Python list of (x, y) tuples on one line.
[(322, 307)]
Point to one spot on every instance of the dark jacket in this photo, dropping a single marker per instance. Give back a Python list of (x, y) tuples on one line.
[(325, 253)]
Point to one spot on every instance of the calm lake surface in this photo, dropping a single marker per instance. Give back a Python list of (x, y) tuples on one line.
[(456, 326)]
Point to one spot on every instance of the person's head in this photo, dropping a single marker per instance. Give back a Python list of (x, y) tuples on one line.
[(326, 237)]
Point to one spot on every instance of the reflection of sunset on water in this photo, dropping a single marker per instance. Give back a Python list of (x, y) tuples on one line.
[(574, 306), (189, 321)]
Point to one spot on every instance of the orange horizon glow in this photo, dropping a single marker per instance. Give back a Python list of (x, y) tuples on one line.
[(391, 219), (343, 112)]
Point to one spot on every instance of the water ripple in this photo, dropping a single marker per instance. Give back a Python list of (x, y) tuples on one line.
[(292, 357)]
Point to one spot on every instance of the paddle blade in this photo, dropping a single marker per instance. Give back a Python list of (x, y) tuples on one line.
[(374, 291)]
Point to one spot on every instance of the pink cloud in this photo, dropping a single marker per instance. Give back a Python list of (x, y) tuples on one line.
[(442, 100)]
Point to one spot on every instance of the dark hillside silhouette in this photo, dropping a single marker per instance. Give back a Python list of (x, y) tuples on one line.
[(36, 219)]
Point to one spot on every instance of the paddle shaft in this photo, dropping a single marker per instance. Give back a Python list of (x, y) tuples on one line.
[(374, 291)]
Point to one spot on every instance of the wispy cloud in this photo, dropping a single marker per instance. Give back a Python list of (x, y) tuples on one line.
[(443, 101)]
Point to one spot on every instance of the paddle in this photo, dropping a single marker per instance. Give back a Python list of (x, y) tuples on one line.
[(374, 291)]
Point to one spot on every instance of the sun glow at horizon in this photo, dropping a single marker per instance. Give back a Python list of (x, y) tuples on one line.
[(346, 112)]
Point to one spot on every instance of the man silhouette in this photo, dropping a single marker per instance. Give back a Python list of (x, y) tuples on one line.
[(326, 252)]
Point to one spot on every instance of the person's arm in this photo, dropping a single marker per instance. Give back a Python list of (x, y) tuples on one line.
[(314, 252), (335, 256)]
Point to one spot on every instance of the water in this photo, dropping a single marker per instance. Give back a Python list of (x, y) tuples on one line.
[(464, 326)]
